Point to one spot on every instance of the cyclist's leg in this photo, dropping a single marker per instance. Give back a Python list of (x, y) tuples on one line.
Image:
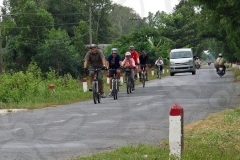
[(91, 76), (100, 82), (132, 77), (111, 72), (140, 72), (136, 71), (146, 69), (118, 72)]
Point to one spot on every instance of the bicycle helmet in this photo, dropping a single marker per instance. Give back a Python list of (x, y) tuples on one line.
[(220, 55), (127, 54), (114, 50), (131, 48), (144, 52), (92, 46)]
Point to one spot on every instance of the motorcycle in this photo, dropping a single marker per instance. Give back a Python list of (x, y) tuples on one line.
[(221, 71)]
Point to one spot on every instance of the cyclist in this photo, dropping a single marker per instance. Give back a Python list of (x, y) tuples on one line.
[(159, 63), (128, 61), (144, 60), (114, 61), (135, 56), (96, 59)]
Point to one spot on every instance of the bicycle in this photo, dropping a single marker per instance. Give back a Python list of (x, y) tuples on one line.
[(159, 72), (115, 86), (95, 87), (143, 74), (129, 83)]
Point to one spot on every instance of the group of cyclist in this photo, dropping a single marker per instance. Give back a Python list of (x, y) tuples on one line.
[(115, 64)]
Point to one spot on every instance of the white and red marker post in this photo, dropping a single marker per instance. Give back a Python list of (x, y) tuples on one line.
[(108, 78), (84, 81), (121, 77), (176, 131), (152, 71)]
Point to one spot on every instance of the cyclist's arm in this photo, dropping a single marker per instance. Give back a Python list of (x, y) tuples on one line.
[(103, 58), (133, 63), (86, 59), (120, 63), (123, 62), (107, 64), (85, 64)]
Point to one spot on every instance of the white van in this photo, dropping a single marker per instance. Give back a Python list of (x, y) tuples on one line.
[(182, 60)]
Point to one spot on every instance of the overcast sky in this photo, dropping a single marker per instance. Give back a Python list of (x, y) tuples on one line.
[(142, 7)]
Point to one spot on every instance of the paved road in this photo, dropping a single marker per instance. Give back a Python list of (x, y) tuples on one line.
[(141, 117)]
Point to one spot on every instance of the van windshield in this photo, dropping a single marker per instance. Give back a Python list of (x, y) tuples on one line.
[(181, 54)]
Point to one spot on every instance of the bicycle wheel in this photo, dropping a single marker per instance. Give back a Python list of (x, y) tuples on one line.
[(143, 79), (114, 89), (99, 96), (160, 74), (94, 91), (127, 84)]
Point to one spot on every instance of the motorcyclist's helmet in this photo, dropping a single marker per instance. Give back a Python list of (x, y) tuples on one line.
[(114, 50), (127, 54), (131, 48), (92, 46), (220, 55)]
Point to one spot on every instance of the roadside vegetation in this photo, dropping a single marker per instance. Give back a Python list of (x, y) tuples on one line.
[(30, 90), (216, 137), (236, 72)]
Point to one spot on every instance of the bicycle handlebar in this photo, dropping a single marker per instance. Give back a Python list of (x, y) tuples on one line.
[(95, 69)]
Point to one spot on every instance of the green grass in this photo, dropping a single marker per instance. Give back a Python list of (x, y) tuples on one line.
[(236, 71), (215, 138)]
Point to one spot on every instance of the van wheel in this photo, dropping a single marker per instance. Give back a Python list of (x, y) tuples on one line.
[(194, 72), (172, 74)]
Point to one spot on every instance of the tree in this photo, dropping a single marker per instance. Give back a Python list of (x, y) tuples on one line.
[(57, 53), (28, 27)]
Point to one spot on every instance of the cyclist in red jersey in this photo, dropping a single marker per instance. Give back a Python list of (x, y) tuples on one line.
[(135, 57)]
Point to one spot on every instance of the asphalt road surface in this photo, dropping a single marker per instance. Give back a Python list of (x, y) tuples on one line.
[(83, 128)]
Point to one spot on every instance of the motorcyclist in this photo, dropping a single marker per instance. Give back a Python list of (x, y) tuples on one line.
[(220, 61)]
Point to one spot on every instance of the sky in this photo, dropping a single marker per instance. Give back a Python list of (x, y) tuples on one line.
[(142, 7)]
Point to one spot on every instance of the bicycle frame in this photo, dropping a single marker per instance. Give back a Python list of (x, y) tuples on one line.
[(95, 86), (129, 83), (143, 74), (115, 87)]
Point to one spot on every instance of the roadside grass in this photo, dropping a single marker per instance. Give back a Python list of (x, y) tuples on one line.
[(215, 138), (236, 71), (31, 91)]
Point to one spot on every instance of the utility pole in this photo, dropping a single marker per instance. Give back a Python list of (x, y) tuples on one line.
[(90, 24), (0, 47)]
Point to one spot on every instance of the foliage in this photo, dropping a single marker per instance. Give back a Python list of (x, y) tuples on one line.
[(19, 89), (58, 54)]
